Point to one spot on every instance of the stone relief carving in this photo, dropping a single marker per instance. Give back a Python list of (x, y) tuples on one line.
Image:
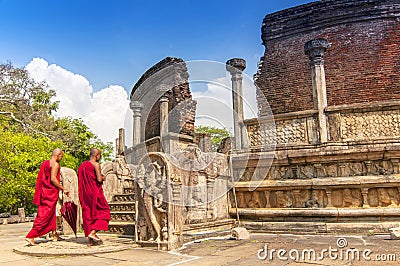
[(306, 171), (284, 132), (318, 198), (383, 197), (119, 177), (318, 170), (369, 125), (334, 127), (153, 207)]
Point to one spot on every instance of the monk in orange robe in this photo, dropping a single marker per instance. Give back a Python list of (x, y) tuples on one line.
[(46, 196), (95, 209)]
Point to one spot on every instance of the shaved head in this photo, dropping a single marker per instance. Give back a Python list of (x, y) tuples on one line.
[(94, 152), (56, 152)]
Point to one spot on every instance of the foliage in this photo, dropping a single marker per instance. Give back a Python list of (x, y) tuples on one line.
[(216, 134), (29, 133), (20, 158), (78, 139), (25, 105)]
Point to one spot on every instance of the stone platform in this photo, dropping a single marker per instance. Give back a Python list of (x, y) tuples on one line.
[(72, 246)]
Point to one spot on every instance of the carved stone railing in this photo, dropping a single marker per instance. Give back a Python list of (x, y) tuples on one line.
[(347, 123), (294, 128), (363, 122)]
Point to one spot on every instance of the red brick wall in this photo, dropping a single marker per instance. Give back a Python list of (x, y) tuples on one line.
[(361, 65)]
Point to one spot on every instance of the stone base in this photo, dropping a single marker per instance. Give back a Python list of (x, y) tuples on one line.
[(153, 244), (364, 228), (193, 232)]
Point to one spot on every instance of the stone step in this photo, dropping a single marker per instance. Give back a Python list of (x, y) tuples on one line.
[(122, 216), (122, 228), (122, 206), (129, 190), (192, 232), (124, 197), (364, 228)]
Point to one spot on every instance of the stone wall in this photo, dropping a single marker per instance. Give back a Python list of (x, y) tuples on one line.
[(168, 78), (361, 64)]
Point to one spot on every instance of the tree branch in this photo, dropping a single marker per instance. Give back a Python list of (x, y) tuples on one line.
[(24, 125)]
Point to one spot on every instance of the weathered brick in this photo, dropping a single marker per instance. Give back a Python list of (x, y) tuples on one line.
[(361, 65)]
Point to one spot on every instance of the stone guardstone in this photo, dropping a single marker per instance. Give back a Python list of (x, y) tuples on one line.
[(21, 215), (240, 233)]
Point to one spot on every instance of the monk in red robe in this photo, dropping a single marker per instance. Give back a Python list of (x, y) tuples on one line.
[(95, 209), (46, 196)]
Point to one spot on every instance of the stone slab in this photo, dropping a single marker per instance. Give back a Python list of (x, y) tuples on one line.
[(74, 247)]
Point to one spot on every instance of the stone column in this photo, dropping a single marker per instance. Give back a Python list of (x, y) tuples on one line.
[(329, 196), (116, 146), (121, 141), (235, 67), (315, 50), (164, 115), (137, 113)]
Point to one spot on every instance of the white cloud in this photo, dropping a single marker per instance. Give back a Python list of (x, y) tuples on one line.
[(214, 105), (103, 111)]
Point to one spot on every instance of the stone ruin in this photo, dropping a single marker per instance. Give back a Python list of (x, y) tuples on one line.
[(330, 76), (179, 188), (332, 139)]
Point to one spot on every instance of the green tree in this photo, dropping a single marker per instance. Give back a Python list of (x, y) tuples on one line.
[(78, 139), (28, 134), (216, 134), (25, 105), (20, 158)]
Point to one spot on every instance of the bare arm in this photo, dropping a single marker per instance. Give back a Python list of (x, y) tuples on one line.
[(100, 178), (53, 175)]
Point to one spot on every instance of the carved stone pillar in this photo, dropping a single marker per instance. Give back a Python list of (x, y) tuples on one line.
[(116, 146), (121, 141), (164, 115), (398, 191), (210, 199), (137, 113), (368, 164), (315, 50), (396, 166), (364, 192), (175, 220), (329, 196), (321, 172), (297, 198), (235, 66)]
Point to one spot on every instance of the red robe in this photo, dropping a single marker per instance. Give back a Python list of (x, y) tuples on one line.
[(46, 196), (95, 209)]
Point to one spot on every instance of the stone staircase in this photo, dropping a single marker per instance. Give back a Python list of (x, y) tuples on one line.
[(123, 214)]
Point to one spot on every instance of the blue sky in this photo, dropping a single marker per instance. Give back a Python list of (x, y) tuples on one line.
[(93, 52), (114, 42)]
